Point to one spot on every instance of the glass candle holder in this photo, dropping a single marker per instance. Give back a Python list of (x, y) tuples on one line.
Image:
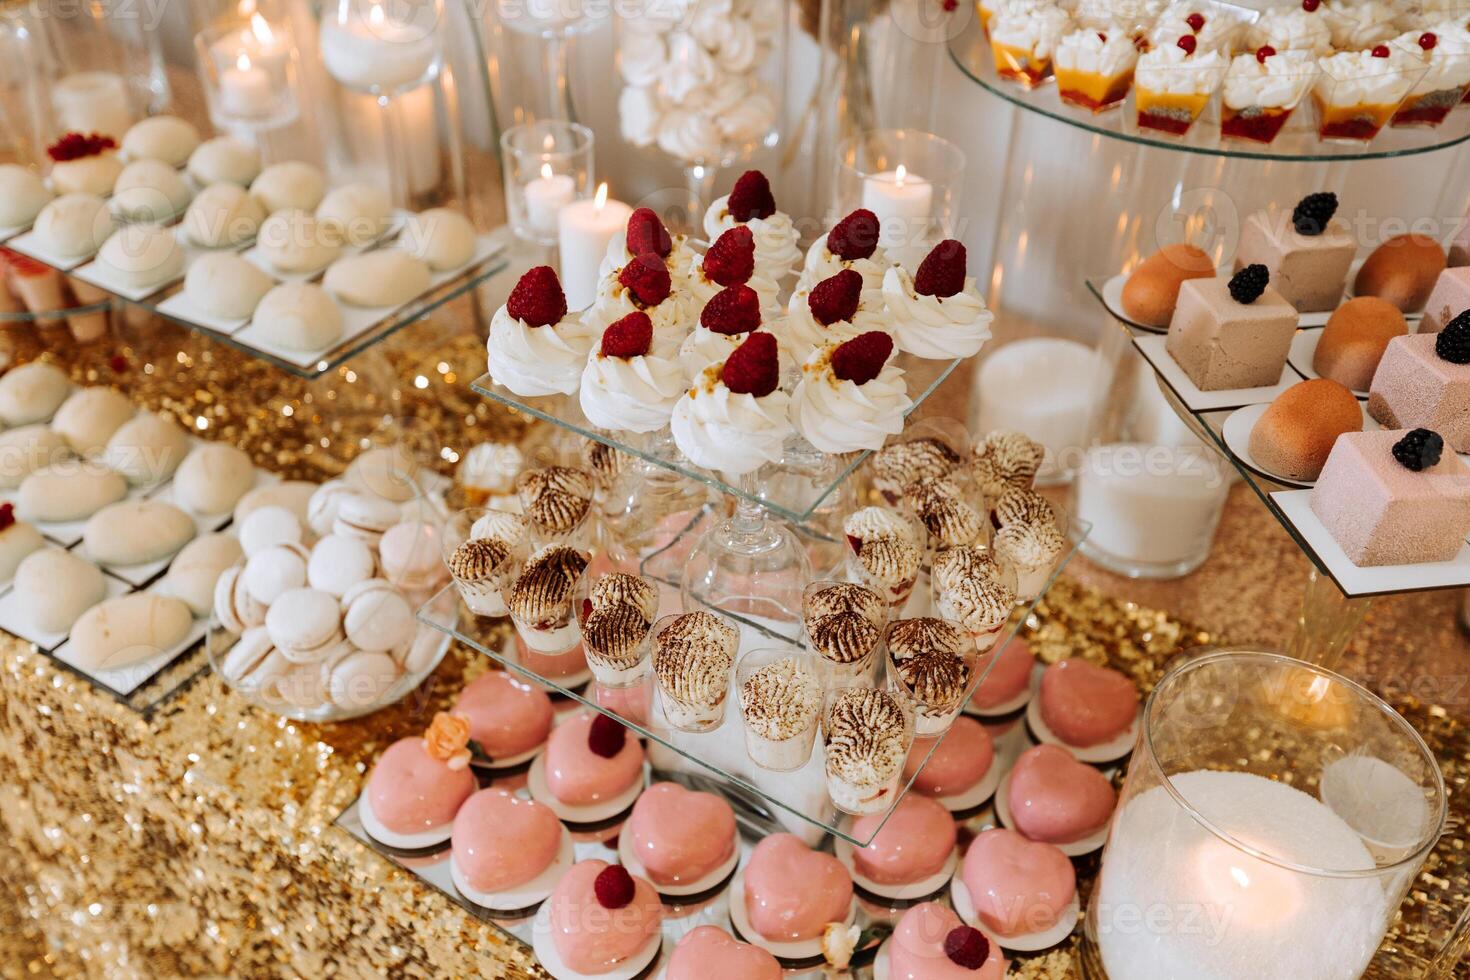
[(909, 179), (383, 49), (249, 75), (547, 165), (1273, 817)]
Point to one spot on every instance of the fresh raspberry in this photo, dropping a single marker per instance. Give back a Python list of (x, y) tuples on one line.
[(855, 236), (631, 336), (647, 278), (75, 146), (733, 310), (1196, 22), (855, 543), (862, 358), (836, 299), (942, 273), (754, 368), (1263, 52), (751, 197), (967, 947), (614, 887), (606, 736), (1427, 40), (7, 515), (1102, 37), (118, 363), (1310, 6), (537, 298), (1381, 51), (731, 259), (646, 233), (1187, 44)]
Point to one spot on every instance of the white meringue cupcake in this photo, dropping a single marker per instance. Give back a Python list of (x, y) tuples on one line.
[(646, 289), (544, 354), (938, 312), (625, 386), (735, 429), (851, 244), (730, 261), (850, 397), (834, 311), (752, 205)]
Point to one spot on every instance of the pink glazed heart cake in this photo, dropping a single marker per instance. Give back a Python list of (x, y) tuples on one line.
[(680, 836), (792, 891), (956, 764), (1018, 886), (1008, 678), (1084, 704), (601, 917), (1056, 799), (711, 953), (418, 784), (501, 841), (508, 717), (913, 845), (931, 943), (591, 759)]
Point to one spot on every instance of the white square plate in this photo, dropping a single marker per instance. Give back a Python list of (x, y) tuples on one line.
[(1153, 348), (126, 680)]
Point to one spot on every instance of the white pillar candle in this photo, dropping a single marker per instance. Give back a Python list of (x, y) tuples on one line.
[(245, 89), (373, 52), (546, 195), (93, 102), (583, 230), (902, 202), (1149, 504), (1046, 388), (1175, 900)]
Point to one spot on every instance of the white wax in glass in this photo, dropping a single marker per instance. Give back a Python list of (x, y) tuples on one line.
[(245, 90), (545, 197), (902, 201), (1152, 504), (583, 230), (1045, 387), (93, 102), (374, 52), (1177, 901)]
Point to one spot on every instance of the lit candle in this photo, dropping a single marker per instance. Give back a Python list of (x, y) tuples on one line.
[(375, 53), (584, 228), (901, 200), (93, 102), (245, 90), (546, 196)]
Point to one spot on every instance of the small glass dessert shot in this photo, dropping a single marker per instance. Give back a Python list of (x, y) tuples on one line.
[(866, 734), (842, 625), (1358, 92), (617, 623), (1094, 67), (974, 592), (693, 654), (483, 565), (1023, 35), (1445, 52), (543, 600), (883, 553), (557, 501), (1174, 82), (929, 671), (1029, 539), (780, 702), (1261, 91)]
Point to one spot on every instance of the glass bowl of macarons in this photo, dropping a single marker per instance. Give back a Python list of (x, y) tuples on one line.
[(318, 621)]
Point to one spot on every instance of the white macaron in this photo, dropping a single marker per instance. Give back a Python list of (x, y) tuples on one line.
[(376, 615), (339, 562), (273, 571), (269, 526), (304, 624)]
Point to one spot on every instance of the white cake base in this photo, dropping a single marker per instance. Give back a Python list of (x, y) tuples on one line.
[(525, 895), (959, 897), (1076, 848), (696, 887), (1112, 750), (550, 958), (403, 842), (804, 950), (591, 813)]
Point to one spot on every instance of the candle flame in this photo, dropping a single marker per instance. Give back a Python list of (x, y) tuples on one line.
[(243, 62), (546, 171), (245, 8), (601, 197), (376, 15), (899, 173), (261, 29), (548, 143)]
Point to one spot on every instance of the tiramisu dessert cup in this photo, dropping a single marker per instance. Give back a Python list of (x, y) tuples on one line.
[(617, 624), (866, 734), (693, 658), (1029, 540), (884, 553), (900, 463), (943, 508), (780, 701), (974, 592), (544, 597), (843, 628), (1262, 89), (1174, 82), (1023, 37), (929, 671), (1445, 52), (1003, 460), (482, 566), (1359, 91), (1094, 66), (557, 502)]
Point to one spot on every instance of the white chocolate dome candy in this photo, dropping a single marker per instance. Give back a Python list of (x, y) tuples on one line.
[(222, 159), (167, 139), (298, 316), (73, 225), (213, 478), (440, 236), (22, 196), (135, 532), (292, 185), (32, 393), (355, 214), (148, 190), (224, 285), (197, 567), (294, 241), (88, 418), (146, 449), (223, 215), (128, 629), (378, 279), (55, 587), (142, 256)]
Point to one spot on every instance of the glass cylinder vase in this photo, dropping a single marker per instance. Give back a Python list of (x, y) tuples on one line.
[(1273, 817)]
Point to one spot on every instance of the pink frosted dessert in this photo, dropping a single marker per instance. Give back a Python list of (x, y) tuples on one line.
[(1449, 298), (792, 891), (590, 759), (680, 836), (913, 845), (601, 917), (711, 953), (1084, 704), (1018, 887), (1056, 799), (1008, 678), (501, 841), (957, 763), (931, 943), (420, 782), (1423, 380), (508, 717)]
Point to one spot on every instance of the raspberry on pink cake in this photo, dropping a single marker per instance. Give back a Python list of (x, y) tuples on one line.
[(931, 943)]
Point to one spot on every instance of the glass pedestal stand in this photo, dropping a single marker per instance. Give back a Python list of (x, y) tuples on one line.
[(1325, 622)]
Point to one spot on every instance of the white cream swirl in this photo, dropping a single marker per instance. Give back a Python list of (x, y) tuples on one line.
[(689, 67), (840, 416), (1359, 24), (532, 361), (641, 58), (689, 136), (748, 119), (822, 264), (702, 290), (671, 318), (737, 48), (1292, 29), (927, 326), (776, 252), (804, 333), (636, 394), (733, 433), (1353, 78), (1036, 30), (1171, 69), (704, 347), (1448, 62), (639, 115), (677, 262), (1107, 51), (1278, 83)]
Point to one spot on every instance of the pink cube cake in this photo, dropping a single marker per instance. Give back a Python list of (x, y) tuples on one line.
[(1221, 343), (1309, 271), (1450, 298), (1381, 512), (1416, 388), (1460, 244)]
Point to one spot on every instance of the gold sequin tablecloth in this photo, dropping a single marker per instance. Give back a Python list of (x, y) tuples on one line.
[(198, 840)]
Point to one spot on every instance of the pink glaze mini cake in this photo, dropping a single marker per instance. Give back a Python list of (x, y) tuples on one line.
[(1056, 799), (418, 785), (931, 943), (956, 766), (791, 891), (600, 919), (509, 719), (1007, 685), (1424, 380), (1017, 888), (682, 841), (591, 765), (1086, 705), (911, 855), (507, 852), (710, 953)]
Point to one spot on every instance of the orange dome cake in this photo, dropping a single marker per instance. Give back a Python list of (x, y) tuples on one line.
[(1152, 289), (1402, 270), (1354, 340), (1295, 434)]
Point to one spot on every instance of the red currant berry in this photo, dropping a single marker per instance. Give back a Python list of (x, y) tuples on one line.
[(1102, 37), (1381, 51), (1263, 52), (1187, 44), (1427, 41), (1196, 22), (1311, 5)]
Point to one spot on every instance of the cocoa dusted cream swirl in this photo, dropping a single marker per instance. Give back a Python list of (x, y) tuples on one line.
[(928, 655), (979, 604), (1021, 505), (1004, 460), (621, 589), (953, 565), (546, 584), (692, 658), (843, 637), (845, 597), (478, 559), (780, 700), (556, 499), (615, 634), (895, 467), (943, 512), (1029, 545), (885, 545), (604, 462), (864, 736)]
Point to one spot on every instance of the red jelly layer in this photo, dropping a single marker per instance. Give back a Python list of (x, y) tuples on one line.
[(1172, 125), (1261, 128)]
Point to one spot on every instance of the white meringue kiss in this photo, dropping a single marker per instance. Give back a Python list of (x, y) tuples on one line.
[(671, 318), (927, 326), (733, 433), (533, 361), (636, 394), (702, 290), (704, 347), (839, 416), (618, 256)]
